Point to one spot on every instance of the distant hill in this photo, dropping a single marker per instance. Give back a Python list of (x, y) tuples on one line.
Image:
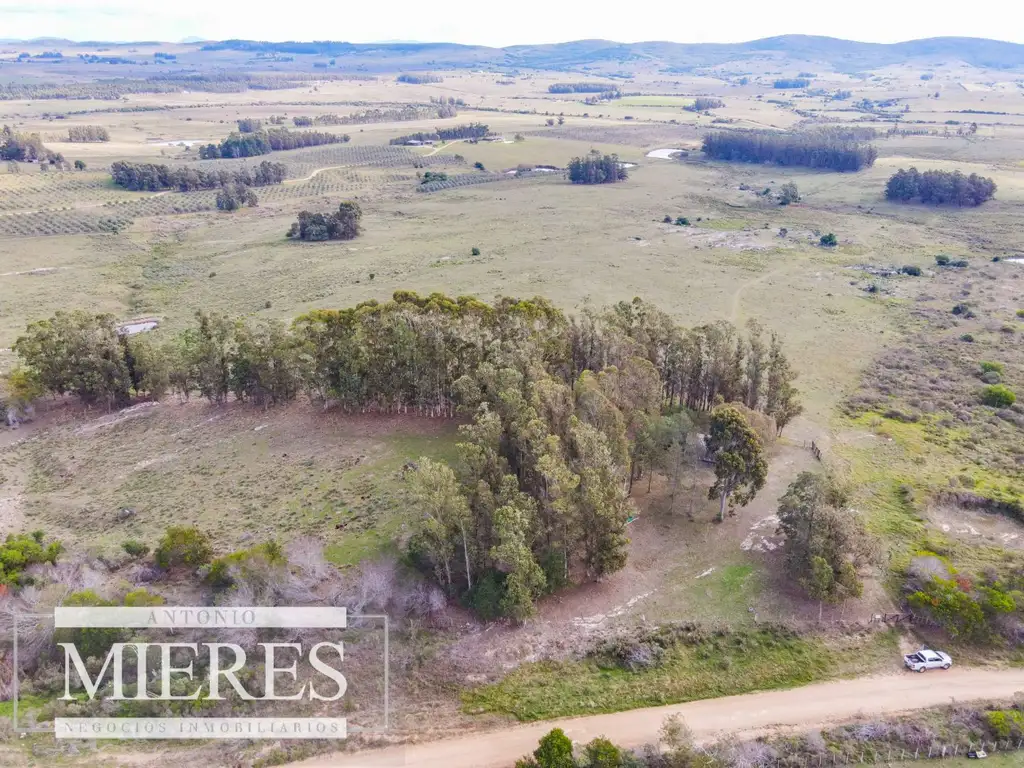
[(842, 55)]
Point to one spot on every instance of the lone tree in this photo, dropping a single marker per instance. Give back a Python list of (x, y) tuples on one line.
[(789, 194), (343, 225), (740, 466), (825, 542)]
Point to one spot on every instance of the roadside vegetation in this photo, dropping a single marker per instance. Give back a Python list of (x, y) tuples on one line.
[(936, 733)]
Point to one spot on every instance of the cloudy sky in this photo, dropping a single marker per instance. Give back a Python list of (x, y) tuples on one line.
[(507, 23)]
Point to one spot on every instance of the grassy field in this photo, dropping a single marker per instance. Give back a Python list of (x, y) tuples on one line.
[(302, 473)]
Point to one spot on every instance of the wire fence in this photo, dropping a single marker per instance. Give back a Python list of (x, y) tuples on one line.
[(890, 754)]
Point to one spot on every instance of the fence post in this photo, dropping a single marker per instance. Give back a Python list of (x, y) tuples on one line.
[(929, 751), (918, 749), (943, 750)]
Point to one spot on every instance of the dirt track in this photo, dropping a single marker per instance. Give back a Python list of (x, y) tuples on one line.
[(810, 706)]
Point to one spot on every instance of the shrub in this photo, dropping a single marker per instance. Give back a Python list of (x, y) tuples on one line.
[(20, 551), (246, 563), (1005, 724), (951, 607), (183, 546), (998, 396), (829, 240), (90, 642), (1020, 313), (79, 165), (479, 166), (142, 598), (601, 753), (960, 263), (962, 310), (682, 221), (969, 338), (942, 261), (911, 270), (667, 220), (135, 548), (485, 598), (987, 366), (475, 251)]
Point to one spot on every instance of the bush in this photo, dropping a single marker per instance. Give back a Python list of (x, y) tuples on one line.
[(953, 608), (79, 165), (968, 337), (911, 270), (962, 310), (135, 548), (225, 571), (829, 240), (475, 252), (479, 166), (1020, 313), (942, 261), (682, 221), (183, 546), (987, 366), (19, 551), (667, 220), (485, 598), (1005, 724), (998, 396), (90, 642)]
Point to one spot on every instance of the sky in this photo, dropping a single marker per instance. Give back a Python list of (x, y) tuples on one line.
[(508, 23)]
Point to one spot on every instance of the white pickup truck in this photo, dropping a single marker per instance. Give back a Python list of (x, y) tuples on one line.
[(924, 659)]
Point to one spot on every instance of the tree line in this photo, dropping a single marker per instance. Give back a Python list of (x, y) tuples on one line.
[(791, 82), (703, 104), (22, 147), (582, 87), (939, 187), (597, 169), (470, 131), (264, 142), (233, 196), (566, 412), (419, 79), (150, 177), (822, 149), (88, 133), (340, 225), (408, 354)]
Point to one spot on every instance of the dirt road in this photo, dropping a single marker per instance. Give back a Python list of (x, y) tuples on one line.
[(807, 707)]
